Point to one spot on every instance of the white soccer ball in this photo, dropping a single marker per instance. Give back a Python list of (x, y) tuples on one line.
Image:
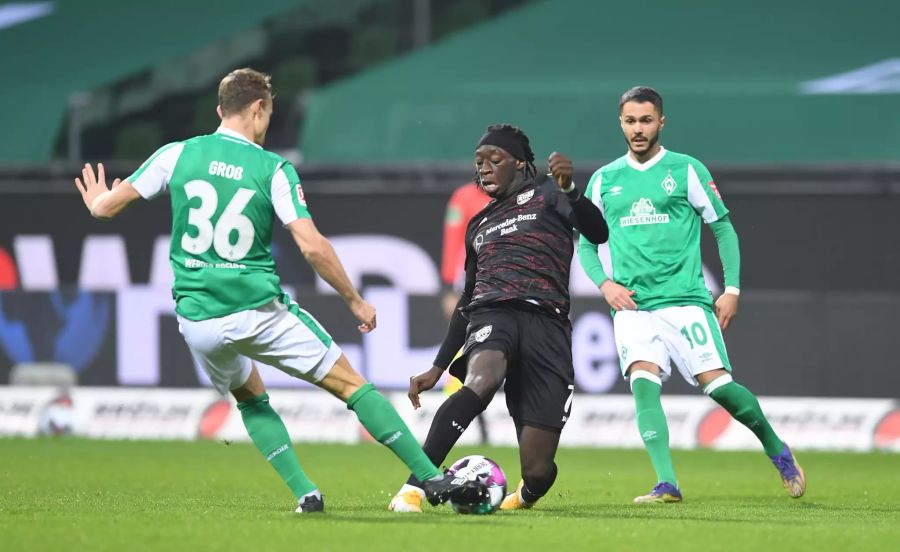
[(482, 469), (58, 418)]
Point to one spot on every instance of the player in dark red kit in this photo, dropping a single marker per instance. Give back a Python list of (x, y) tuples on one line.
[(513, 315)]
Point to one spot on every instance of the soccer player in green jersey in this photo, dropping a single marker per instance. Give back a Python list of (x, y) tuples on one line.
[(654, 201), (225, 191)]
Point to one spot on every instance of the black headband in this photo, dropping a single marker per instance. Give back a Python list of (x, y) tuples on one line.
[(506, 139)]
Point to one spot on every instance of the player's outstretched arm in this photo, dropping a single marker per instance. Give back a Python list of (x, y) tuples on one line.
[(320, 254), (730, 255), (102, 202)]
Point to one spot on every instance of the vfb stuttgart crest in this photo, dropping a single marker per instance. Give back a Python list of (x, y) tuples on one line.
[(524, 197), (669, 184), (483, 333)]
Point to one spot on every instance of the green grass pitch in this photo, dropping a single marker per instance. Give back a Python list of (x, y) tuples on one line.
[(72, 494)]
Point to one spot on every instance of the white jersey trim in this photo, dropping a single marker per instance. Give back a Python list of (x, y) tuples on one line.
[(281, 198), (698, 198), (595, 192), (154, 179), (647, 165), (237, 136)]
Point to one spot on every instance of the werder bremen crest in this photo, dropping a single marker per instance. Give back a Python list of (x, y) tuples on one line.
[(669, 183)]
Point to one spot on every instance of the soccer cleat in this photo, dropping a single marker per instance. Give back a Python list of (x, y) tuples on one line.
[(791, 473), (661, 493), (514, 501), (438, 491), (310, 503), (407, 500)]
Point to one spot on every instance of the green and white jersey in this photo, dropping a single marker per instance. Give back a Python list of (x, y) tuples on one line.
[(654, 212), (225, 190)]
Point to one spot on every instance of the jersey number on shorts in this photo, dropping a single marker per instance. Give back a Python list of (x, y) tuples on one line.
[(231, 220), (698, 332)]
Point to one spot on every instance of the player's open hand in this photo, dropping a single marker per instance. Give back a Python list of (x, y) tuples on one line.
[(561, 169), (423, 382), (619, 297), (365, 313), (92, 185), (726, 309)]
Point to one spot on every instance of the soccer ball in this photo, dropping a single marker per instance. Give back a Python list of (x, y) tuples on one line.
[(57, 418), (482, 469)]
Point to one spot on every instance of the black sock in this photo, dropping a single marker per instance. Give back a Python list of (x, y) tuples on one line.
[(536, 487), (451, 419)]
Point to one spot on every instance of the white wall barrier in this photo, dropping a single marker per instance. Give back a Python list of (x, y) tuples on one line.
[(314, 416)]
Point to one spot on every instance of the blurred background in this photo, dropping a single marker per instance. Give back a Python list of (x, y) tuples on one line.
[(794, 106)]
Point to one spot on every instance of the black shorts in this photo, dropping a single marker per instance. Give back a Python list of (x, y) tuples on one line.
[(540, 378)]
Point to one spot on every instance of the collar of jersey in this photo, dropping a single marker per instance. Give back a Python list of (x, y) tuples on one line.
[(232, 134), (648, 164)]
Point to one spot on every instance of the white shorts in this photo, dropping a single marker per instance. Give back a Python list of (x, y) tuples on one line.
[(688, 337), (284, 336)]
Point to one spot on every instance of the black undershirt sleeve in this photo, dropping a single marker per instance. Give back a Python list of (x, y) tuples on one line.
[(456, 329), (586, 217)]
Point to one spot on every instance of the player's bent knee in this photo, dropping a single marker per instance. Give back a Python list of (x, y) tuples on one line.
[(643, 366), (486, 372), (342, 380), (252, 387), (715, 383)]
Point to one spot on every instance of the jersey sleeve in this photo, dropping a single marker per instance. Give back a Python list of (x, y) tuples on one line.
[(592, 192), (588, 256), (152, 177), (287, 195), (703, 194)]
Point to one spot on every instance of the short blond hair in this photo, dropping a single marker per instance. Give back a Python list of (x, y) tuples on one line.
[(242, 87)]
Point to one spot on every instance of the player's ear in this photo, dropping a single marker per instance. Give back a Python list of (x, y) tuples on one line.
[(219, 112), (662, 122), (520, 164)]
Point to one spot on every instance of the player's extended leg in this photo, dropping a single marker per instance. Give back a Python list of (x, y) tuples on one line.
[(537, 451), (267, 431), (744, 407), (452, 386), (230, 371), (383, 422), (486, 371), (646, 386)]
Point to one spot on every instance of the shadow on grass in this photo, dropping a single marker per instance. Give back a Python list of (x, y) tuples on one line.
[(402, 519)]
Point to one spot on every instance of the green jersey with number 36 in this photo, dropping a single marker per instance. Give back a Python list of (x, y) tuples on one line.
[(654, 211), (225, 191)]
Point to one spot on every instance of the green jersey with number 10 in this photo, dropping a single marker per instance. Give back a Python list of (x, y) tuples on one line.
[(225, 190), (654, 212)]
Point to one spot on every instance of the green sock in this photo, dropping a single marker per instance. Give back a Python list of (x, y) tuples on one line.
[(743, 407), (654, 430), (380, 419), (268, 433)]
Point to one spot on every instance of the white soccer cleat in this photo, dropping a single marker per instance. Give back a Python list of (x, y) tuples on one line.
[(407, 500)]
